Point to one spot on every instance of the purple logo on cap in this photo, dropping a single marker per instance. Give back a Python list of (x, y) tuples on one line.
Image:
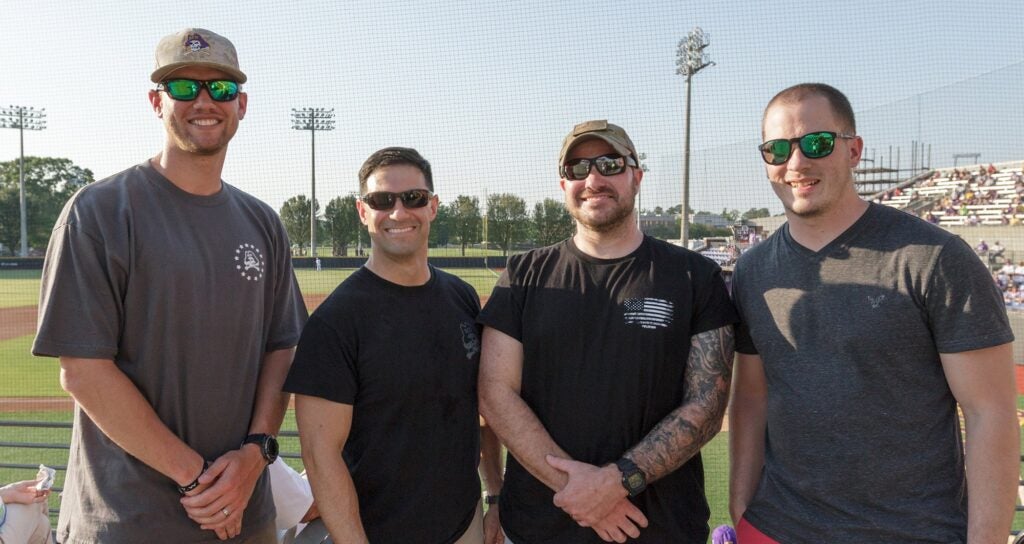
[(194, 43)]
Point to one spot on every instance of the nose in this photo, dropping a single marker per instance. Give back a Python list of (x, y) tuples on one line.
[(203, 98), (797, 160), (399, 211)]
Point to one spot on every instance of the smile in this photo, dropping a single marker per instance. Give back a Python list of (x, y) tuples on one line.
[(204, 122)]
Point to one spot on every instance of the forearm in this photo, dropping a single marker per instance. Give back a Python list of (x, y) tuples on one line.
[(491, 469), (993, 461), (271, 401), (335, 496), (748, 420), (681, 434), (746, 455), (120, 411), (518, 428)]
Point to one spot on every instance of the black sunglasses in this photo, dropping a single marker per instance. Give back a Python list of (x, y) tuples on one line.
[(187, 90), (814, 145), (384, 200), (607, 165)]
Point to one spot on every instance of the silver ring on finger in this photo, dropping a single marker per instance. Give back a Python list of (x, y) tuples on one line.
[(225, 512)]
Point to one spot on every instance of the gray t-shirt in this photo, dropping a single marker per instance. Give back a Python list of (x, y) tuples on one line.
[(186, 294), (863, 441)]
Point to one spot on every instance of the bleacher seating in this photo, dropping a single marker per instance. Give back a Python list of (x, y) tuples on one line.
[(970, 196)]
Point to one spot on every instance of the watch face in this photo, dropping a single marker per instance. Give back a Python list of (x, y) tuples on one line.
[(272, 447), (635, 480)]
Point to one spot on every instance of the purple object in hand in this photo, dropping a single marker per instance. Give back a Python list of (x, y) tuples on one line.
[(723, 534)]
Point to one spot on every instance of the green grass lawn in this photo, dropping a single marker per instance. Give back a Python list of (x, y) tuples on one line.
[(323, 282), (19, 288), (22, 375)]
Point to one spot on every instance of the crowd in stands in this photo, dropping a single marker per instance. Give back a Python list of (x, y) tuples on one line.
[(965, 197)]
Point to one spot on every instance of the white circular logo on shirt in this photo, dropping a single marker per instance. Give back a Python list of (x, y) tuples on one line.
[(249, 262)]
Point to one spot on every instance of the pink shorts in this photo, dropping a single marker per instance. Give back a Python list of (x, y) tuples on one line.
[(748, 534)]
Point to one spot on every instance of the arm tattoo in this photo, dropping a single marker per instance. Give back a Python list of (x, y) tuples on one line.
[(681, 434)]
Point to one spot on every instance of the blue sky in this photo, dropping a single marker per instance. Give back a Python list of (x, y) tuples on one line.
[(486, 90)]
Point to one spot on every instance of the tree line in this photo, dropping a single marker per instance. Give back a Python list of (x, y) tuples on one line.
[(508, 223)]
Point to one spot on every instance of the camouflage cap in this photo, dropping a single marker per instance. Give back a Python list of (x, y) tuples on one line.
[(613, 134), (196, 47)]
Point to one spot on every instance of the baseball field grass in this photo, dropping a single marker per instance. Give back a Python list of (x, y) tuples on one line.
[(22, 375)]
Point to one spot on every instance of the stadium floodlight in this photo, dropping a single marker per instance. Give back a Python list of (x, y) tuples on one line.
[(690, 59), (22, 118), (313, 120)]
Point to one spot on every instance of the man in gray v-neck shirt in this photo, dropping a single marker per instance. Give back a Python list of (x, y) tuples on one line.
[(862, 329)]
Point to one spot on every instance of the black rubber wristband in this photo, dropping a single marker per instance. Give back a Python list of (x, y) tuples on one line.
[(491, 499), (183, 489)]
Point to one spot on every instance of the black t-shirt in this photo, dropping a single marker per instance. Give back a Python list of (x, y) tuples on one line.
[(605, 348), (406, 359)]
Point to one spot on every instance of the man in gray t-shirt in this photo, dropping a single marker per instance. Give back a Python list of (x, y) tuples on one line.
[(169, 297), (862, 329)]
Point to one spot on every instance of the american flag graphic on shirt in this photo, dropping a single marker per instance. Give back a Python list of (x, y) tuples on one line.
[(649, 313)]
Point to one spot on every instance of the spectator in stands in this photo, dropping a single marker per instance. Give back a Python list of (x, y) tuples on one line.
[(996, 252), (981, 248), (23, 514), (1018, 275), (386, 401), (931, 218), (177, 370), (804, 370), (991, 169)]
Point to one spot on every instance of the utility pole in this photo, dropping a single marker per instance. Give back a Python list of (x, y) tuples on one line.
[(690, 59), (23, 119), (313, 119)]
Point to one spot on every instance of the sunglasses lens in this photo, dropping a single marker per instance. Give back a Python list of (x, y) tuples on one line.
[(222, 90), (577, 169), (817, 144), (776, 151), (182, 89), (610, 165), (380, 201), (416, 198)]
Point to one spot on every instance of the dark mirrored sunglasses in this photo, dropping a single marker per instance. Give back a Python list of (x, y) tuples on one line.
[(814, 145), (187, 90), (385, 200), (607, 165)]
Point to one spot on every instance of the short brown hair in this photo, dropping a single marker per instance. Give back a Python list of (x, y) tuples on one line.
[(837, 101), (390, 156)]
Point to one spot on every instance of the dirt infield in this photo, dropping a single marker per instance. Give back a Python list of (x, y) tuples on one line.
[(18, 321), (36, 404)]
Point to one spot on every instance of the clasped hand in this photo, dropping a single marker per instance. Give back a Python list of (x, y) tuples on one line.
[(594, 497)]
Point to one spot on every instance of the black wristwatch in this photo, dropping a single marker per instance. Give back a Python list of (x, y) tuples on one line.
[(633, 479), (267, 443)]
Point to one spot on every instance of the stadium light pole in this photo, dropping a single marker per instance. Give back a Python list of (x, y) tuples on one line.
[(690, 59), (22, 118), (313, 119)]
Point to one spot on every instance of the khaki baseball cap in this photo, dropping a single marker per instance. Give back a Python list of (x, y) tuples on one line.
[(613, 134), (196, 47)]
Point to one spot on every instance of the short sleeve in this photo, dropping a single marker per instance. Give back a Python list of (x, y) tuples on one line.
[(324, 364), (744, 342), (713, 308), (289, 312), (82, 289), (965, 309), (504, 309)]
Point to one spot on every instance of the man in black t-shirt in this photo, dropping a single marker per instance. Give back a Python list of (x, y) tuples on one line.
[(605, 367), (385, 381)]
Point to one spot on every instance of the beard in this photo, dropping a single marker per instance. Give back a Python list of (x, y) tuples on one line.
[(608, 220)]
